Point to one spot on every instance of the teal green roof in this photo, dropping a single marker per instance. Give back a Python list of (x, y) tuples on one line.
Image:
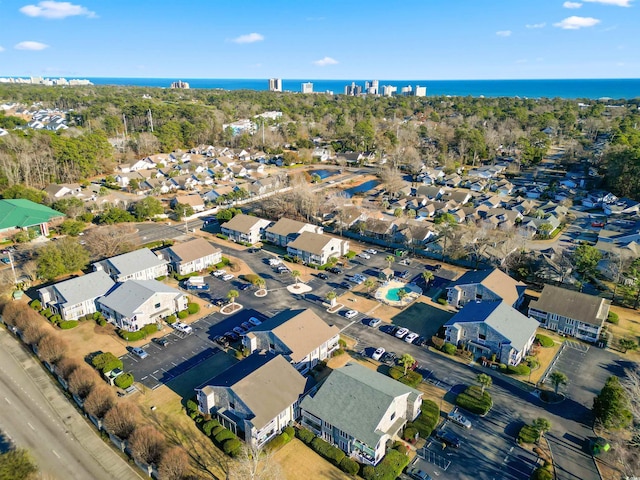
[(24, 213)]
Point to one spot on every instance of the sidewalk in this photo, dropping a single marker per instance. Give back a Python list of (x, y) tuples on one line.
[(73, 421)]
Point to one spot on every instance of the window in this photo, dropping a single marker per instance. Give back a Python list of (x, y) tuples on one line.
[(232, 405), (482, 336), (393, 415), (478, 296), (157, 305)]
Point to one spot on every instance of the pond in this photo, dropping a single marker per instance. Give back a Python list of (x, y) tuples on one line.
[(363, 187), (323, 173)]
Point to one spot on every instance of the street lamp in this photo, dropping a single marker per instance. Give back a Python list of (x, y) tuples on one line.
[(13, 268)]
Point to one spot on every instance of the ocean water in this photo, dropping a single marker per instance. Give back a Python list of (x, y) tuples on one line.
[(569, 88)]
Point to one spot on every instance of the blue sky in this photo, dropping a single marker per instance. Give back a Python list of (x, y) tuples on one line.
[(327, 39)]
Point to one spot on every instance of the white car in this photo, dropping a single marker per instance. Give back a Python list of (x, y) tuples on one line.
[(374, 322), (183, 327), (228, 277), (377, 355), (274, 261), (371, 251), (461, 420), (350, 314), (411, 336), (402, 332), (364, 255), (255, 322), (219, 273)]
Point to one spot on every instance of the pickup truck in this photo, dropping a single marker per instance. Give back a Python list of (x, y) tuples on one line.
[(202, 287)]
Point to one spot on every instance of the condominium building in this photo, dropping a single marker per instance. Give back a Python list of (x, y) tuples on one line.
[(307, 87), (275, 84)]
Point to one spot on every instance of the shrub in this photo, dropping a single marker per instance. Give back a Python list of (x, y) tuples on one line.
[(349, 466), (611, 318), (474, 400), (222, 236), (442, 301), (105, 362), (278, 441), (342, 343), (232, 447), (208, 426), (250, 277), (102, 321), (290, 431), (402, 449), (132, 336), (338, 352), (328, 451), (545, 341), (396, 373), (391, 466), (542, 473), (223, 436), (192, 405), (35, 304), (216, 430), (193, 308), (96, 315), (527, 434), (182, 314), (47, 312), (428, 419), (368, 472), (350, 254), (305, 435), (65, 325), (521, 369), (409, 433), (171, 319), (124, 381), (412, 379), (161, 278), (449, 348)]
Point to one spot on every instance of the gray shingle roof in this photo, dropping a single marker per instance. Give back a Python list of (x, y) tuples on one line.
[(502, 318), (127, 297), (310, 242), (576, 305), (495, 280), (286, 226), (242, 223), (136, 261), (193, 249), (85, 287), (354, 398)]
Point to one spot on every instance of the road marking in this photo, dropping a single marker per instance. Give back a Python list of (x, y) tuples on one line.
[(7, 400), (30, 426), (56, 453)]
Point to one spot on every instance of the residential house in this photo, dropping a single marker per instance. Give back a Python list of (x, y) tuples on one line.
[(453, 180), (486, 285), (301, 336), (195, 201), (192, 256), (266, 185), (245, 228), (458, 196), (286, 230), (140, 264), (135, 303), (570, 313), (492, 328), (74, 298), (160, 185), (124, 179), (21, 214), (431, 192), (56, 192), (541, 226), (317, 248), (255, 398), (380, 228), (359, 411)]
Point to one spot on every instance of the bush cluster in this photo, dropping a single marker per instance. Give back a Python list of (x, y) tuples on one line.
[(428, 418), (527, 434), (277, 442), (545, 341), (171, 319), (222, 236), (412, 379), (390, 468), (521, 369), (449, 348), (328, 451), (139, 334), (105, 362), (613, 318), (66, 324), (193, 308), (305, 435), (182, 314), (124, 381), (474, 400)]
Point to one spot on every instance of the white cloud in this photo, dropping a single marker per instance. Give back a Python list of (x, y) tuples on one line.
[(536, 25), (29, 45), (249, 38), (571, 4), (323, 62), (617, 3), (1, 49), (56, 10), (503, 33), (575, 23)]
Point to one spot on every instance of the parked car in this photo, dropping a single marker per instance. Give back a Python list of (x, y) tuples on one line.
[(228, 276), (402, 332), (246, 325), (274, 261), (356, 280), (346, 285), (459, 419), (420, 341), (183, 327), (597, 224), (219, 273), (334, 270), (374, 322), (389, 359), (239, 330), (323, 276), (139, 352), (364, 255), (255, 322), (393, 329), (359, 276), (232, 336), (350, 314), (5, 260), (244, 286), (417, 474), (162, 341), (219, 302), (448, 438), (404, 275), (377, 355), (410, 337), (222, 340), (371, 251)]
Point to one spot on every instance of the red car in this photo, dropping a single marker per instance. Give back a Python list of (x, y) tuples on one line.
[(597, 224)]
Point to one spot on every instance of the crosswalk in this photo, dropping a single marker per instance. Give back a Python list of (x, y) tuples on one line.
[(577, 345)]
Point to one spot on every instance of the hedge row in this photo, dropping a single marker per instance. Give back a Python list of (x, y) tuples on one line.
[(449, 348), (428, 419), (278, 441), (527, 434), (412, 379), (140, 334), (105, 362), (67, 324), (390, 468), (328, 451), (545, 341), (124, 381), (474, 400)]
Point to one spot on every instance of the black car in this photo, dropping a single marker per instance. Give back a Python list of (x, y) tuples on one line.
[(346, 285), (244, 286), (222, 341), (232, 336), (404, 275), (393, 329), (334, 270), (219, 302), (420, 341), (389, 359), (448, 438), (163, 342), (323, 276)]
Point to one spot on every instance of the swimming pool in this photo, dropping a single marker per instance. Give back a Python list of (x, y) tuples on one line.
[(392, 294)]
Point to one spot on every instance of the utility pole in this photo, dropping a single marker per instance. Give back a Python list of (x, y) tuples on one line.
[(13, 269), (186, 225), (151, 120), (124, 119)]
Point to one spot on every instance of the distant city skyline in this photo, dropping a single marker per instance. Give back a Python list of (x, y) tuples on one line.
[(437, 39)]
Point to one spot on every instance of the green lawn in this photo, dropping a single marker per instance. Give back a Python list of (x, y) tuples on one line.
[(423, 319)]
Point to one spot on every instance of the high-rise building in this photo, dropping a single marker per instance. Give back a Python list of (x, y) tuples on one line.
[(307, 87), (389, 90), (275, 84), (353, 89), (408, 90), (420, 91), (372, 87), (180, 84)]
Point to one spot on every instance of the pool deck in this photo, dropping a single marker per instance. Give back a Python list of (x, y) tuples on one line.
[(413, 291)]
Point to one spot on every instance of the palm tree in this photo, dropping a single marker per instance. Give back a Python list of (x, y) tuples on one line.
[(296, 275), (557, 379), (406, 361), (427, 276), (260, 283), (389, 259), (402, 293), (232, 295), (484, 380), (542, 426), (331, 296), (370, 283)]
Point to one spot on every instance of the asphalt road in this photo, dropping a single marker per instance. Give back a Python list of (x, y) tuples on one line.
[(29, 418)]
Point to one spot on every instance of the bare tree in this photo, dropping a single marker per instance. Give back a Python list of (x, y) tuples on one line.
[(52, 348), (147, 444), (99, 401), (254, 463), (174, 464), (391, 180), (66, 366), (33, 333), (27, 318), (122, 419), (11, 312), (29, 269), (108, 241), (82, 380)]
